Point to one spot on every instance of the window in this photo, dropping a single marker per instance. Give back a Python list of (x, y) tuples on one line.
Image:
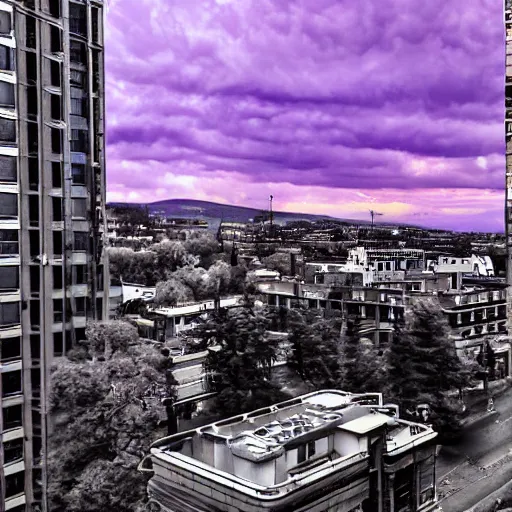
[(6, 58), (80, 274), (30, 32), (77, 19), (54, 73), (11, 349), (6, 94), (56, 175), (55, 39), (58, 344), (9, 278), (80, 208), (78, 102), (57, 310), (57, 209), (79, 141), (5, 23), (8, 169), (57, 278), (77, 52), (54, 8), (80, 306), (81, 241), (311, 449), (301, 453), (31, 67), (14, 484), (35, 346), (403, 489), (56, 140), (8, 242), (11, 383), (32, 102), (95, 15), (56, 108), (8, 205), (32, 137), (78, 174), (12, 417), (77, 78), (57, 244), (7, 130), (13, 451)]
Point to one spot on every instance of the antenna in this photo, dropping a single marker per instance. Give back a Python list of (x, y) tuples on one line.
[(373, 213), (270, 211)]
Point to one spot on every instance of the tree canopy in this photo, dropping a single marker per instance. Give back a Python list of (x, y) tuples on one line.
[(107, 409)]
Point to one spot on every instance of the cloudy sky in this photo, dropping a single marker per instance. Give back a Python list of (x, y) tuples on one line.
[(333, 106)]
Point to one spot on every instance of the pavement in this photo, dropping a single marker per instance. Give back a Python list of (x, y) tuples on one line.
[(481, 463)]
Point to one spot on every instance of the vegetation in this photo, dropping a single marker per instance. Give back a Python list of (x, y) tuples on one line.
[(106, 401)]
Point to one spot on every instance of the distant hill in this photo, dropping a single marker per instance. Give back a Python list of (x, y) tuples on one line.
[(214, 213)]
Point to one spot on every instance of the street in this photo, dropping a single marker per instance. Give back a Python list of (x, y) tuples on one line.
[(480, 464)]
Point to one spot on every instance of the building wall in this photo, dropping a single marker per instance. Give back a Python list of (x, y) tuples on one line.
[(58, 112)]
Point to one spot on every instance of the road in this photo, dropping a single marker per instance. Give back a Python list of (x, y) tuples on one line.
[(480, 464)]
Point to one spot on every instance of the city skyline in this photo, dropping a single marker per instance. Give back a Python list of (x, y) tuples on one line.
[(332, 107)]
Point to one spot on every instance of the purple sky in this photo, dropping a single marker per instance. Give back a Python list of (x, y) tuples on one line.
[(332, 106)]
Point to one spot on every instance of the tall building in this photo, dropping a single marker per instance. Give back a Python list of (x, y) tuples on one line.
[(52, 200), (508, 152)]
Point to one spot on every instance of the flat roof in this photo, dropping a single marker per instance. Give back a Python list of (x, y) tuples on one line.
[(366, 424)]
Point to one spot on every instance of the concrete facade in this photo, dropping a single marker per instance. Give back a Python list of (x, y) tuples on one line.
[(52, 214)]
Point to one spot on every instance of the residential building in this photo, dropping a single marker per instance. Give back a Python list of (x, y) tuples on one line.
[(52, 196), (325, 451), (508, 150)]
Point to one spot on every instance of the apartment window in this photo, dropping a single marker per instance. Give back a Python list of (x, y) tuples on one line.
[(8, 205), (6, 94), (55, 39), (57, 310), (99, 309), (7, 130), (58, 344), (57, 278), (5, 23), (14, 485), (57, 244), (6, 58), (13, 451), (35, 346), (311, 449), (57, 209), (8, 242), (56, 135), (78, 174), (403, 489), (32, 102), (56, 175), (80, 306), (79, 141), (35, 279), (30, 32), (54, 8), (78, 19), (95, 16), (32, 138), (80, 274), (95, 70), (301, 453), (33, 210), (8, 169), (54, 73), (11, 383), (31, 67), (13, 417), (9, 278), (77, 52), (78, 102), (77, 78), (35, 314), (10, 349), (81, 241), (56, 107), (79, 208)]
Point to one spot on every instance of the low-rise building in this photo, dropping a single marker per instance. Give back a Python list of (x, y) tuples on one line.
[(322, 452)]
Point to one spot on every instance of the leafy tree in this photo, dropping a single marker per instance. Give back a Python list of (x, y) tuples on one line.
[(363, 366), (423, 365), (280, 262), (107, 412), (204, 246), (315, 352), (107, 338), (240, 359), (172, 292)]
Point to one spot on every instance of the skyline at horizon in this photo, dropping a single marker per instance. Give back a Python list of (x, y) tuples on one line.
[(239, 101)]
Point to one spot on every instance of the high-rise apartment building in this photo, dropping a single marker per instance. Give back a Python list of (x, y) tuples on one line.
[(508, 152), (52, 200)]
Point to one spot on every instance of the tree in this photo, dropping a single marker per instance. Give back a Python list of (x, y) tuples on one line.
[(107, 338), (108, 412), (204, 246), (424, 366), (315, 348), (240, 359), (172, 292), (280, 262)]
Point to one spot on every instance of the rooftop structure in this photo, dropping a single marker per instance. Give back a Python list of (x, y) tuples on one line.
[(325, 451)]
